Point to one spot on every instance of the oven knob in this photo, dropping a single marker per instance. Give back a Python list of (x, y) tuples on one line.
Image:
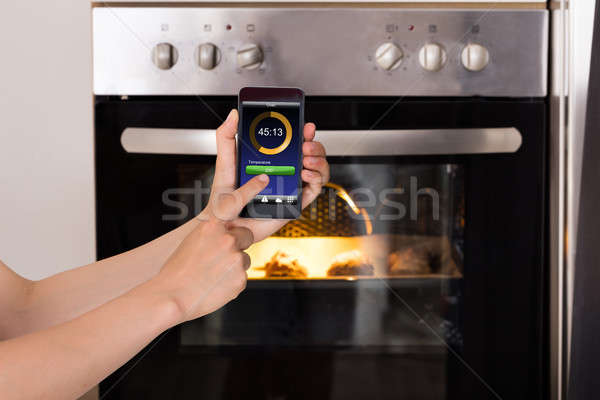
[(475, 57), (432, 57), (165, 56), (388, 56), (208, 56), (249, 56)]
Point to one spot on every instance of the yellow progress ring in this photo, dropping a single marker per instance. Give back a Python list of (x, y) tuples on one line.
[(288, 133)]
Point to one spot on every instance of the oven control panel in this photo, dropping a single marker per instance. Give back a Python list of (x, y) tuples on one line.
[(325, 51)]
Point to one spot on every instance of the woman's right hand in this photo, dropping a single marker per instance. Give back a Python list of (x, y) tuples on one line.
[(208, 269)]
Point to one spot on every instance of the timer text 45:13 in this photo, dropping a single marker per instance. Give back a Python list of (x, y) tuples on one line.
[(270, 131)]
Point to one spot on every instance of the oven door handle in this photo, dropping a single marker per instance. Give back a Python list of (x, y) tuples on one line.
[(353, 143)]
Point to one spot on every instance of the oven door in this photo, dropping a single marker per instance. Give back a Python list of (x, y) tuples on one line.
[(436, 220)]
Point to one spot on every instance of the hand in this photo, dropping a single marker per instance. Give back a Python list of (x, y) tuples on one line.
[(208, 269), (314, 175)]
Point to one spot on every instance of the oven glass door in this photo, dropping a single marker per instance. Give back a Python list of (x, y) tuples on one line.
[(418, 272)]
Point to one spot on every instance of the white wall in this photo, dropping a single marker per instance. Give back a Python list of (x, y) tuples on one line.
[(46, 136)]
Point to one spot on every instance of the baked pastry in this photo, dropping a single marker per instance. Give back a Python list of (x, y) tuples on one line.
[(282, 265), (409, 261), (351, 263)]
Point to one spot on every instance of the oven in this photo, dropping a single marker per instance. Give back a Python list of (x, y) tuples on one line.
[(421, 269)]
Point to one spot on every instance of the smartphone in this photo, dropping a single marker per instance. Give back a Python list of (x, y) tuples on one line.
[(269, 141)]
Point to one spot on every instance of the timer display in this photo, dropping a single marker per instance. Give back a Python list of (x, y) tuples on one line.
[(269, 131), (272, 126), (270, 142)]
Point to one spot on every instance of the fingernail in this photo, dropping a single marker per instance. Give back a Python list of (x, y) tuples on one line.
[(230, 116), (263, 178)]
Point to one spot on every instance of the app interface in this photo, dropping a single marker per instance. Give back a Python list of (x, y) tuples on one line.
[(270, 144)]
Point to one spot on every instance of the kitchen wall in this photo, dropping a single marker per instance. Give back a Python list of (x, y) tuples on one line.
[(46, 136)]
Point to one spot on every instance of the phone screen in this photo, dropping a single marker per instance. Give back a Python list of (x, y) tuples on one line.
[(270, 143)]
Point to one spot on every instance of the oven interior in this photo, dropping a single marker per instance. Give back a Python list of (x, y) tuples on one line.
[(383, 232), (374, 220)]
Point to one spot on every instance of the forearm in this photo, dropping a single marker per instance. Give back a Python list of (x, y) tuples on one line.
[(70, 358), (65, 296)]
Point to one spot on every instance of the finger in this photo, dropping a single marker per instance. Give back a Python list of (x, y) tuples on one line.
[(250, 189), (244, 237), (315, 163), (262, 228), (313, 188), (228, 206), (319, 165), (247, 261), (325, 172), (312, 177), (310, 193), (314, 149), (309, 132), (225, 167)]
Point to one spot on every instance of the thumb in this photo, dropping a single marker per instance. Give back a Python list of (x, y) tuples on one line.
[(226, 153), (228, 206)]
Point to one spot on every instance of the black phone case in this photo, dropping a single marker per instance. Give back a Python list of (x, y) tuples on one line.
[(273, 211)]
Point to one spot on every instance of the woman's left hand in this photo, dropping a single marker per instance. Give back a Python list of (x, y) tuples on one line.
[(315, 174)]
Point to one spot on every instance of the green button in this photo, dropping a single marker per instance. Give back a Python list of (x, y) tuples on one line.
[(270, 170)]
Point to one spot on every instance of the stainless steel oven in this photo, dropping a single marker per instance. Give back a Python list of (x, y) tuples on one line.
[(419, 272)]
